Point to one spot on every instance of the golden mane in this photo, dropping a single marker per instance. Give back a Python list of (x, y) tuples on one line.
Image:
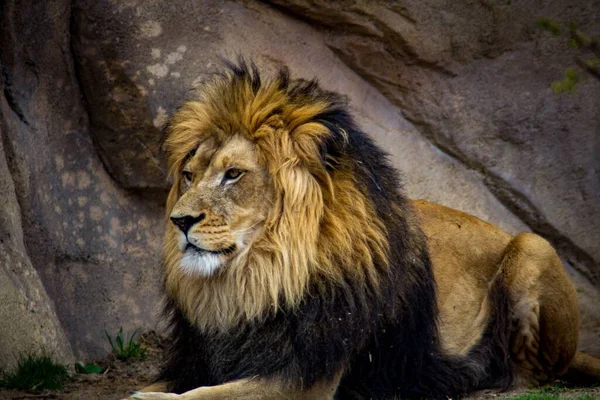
[(321, 227)]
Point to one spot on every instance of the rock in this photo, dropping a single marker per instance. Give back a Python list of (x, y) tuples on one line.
[(95, 245), (29, 321)]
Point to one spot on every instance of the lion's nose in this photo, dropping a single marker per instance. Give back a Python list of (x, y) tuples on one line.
[(187, 221)]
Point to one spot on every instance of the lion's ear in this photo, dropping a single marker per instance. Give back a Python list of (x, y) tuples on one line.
[(330, 153), (332, 147)]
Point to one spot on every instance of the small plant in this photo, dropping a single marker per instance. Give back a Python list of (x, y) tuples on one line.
[(587, 58), (125, 349), (89, 368), (569, 82), (36, 373)]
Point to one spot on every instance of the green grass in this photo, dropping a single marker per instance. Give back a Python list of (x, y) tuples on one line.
[(36, 373), (541, 396), (551, 389), (89, 368), (123, 348), (552, 392)]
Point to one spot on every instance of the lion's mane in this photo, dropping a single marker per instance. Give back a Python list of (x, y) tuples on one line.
[(340, 277)]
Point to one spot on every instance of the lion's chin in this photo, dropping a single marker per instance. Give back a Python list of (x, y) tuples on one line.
[(202, 264)]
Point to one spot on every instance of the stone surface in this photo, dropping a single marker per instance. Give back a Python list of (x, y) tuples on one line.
[(95, 245), (474, 78), (457, 94), (29, 321)]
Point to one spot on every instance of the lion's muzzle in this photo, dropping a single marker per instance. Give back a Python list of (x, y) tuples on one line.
[(185, 222)]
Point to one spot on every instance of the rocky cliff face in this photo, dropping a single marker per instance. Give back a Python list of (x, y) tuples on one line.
[(459, 94)]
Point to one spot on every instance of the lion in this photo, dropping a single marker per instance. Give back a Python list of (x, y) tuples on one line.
[(295, 267)]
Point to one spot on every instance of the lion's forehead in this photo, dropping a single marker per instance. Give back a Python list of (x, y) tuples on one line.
[(213, 155)]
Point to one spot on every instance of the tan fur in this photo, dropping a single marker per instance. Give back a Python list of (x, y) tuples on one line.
[(466, 254), (160, 387), (248, 389), (309, 217), (584, 369)]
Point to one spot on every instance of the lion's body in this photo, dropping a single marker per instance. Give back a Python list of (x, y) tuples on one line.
[(466, 254), (295, 267)]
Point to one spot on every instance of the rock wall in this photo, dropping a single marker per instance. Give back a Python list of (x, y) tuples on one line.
[(458, 94), (94, 244), (28, 316)]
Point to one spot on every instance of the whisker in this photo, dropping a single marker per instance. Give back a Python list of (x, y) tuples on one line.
[(244, 229)]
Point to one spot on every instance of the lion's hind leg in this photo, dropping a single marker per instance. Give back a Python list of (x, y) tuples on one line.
[(545, 310)]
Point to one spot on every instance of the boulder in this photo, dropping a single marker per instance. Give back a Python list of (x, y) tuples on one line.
[(94, 244), (29, 320)]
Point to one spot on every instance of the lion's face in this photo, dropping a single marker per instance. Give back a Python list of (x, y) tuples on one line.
[(265, 198), (224, 198)]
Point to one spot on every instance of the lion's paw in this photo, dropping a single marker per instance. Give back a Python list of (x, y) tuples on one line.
[(153, 396)]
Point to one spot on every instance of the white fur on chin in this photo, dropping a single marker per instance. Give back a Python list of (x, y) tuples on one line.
[(203, 264)]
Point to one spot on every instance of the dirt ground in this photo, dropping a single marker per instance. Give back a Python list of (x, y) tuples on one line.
[(122, 377), (118, 380)]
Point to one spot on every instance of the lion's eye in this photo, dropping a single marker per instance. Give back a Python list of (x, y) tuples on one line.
[(187, 177), (232, 174)]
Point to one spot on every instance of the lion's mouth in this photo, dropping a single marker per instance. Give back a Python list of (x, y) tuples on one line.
[(225, 251)]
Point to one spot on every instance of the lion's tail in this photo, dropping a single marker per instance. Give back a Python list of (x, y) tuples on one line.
[(492, 352), (584, 369), (487, 364)]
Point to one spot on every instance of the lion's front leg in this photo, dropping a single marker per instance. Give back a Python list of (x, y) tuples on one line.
[(251, 389), (156, 389), (161, 386), (153, 396)]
